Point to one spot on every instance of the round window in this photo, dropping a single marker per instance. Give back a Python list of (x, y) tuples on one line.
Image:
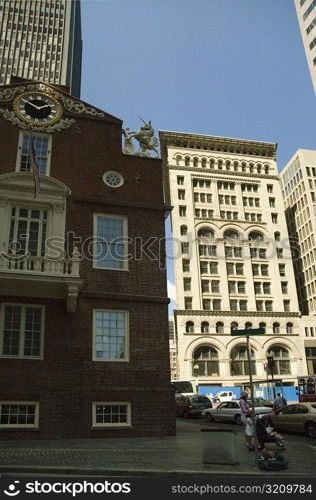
[(113, 179)]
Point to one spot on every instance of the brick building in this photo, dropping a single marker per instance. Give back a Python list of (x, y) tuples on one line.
[(83, 302)]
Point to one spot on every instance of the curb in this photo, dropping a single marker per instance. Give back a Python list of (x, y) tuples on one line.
[(139, 472)]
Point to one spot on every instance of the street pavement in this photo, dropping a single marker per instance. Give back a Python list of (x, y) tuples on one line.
[(153, 456)]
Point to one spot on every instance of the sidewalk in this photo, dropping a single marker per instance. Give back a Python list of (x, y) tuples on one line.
[(178, 455)]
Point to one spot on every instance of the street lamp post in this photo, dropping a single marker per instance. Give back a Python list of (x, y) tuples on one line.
[(196, 374), (270, 360)]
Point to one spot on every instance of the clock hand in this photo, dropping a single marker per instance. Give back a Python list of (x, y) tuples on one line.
[(44, 106), (33, 105)]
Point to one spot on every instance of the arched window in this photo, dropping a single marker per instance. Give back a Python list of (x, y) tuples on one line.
[(205, 327), (195, 162), (259, 169), (189, 327), (187, 161), (277, 236), (206, 233), (276, 328), (230, 234), (205, 362), (289, 328), (266, 170), (263, 325), (255, 236), (219, 327), (234, 325), (178, 159), (248, 326), (183, 230), (239, 361), (203, 162), (281, 360)]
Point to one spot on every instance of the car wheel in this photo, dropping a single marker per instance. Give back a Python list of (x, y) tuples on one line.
[(237, 419), (311, 429), (209, 417)]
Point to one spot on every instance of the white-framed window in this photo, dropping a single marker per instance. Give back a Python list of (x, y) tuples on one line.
[(28, 231), (19, 414), (22, 330), (42, 147), (110, 335), (111, 414), (110, 238)]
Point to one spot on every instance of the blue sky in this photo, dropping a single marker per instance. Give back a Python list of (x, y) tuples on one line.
[(233, 68)]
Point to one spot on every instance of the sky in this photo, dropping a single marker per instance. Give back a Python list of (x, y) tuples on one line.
[(232, 68)]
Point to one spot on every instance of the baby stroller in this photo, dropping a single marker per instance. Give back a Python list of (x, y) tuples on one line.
[(267, 434)]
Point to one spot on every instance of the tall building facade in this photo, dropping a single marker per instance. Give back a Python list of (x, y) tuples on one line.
[(298, 183), (41, 40), (232, 260), (306, 13), (83, 309)]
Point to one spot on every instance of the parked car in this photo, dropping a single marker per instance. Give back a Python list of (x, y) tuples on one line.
[(299, 418), (192, 406), (223, 396), (263, 402), (229, 411)]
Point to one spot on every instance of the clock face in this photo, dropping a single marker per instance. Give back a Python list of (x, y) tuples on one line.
[(37, 108)]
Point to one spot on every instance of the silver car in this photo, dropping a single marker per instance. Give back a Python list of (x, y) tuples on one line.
[(300, 417), (229, 411)]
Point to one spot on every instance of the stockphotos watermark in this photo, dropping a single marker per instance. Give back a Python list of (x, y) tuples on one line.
[(71, 488), (96, 249)]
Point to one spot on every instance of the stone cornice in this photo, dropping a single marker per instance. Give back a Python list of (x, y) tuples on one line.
[(223, 175), (218, 144), (245, 314)]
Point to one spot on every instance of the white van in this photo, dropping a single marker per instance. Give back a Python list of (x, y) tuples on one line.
[(224, 396), (183, 387)]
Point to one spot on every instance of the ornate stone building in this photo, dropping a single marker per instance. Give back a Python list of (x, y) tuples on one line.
[(298, 183), (233, 262), (83, 307)]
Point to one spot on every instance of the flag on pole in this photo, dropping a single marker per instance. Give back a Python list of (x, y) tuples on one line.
[(34, 166)]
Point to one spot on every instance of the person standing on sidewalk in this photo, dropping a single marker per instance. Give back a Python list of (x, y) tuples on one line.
[(246, 419), (279, 402)]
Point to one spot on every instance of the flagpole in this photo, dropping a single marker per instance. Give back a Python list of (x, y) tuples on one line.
[(33, 163)]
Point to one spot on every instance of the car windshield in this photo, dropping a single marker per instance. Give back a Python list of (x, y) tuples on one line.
[(183, 386), (200, 399)]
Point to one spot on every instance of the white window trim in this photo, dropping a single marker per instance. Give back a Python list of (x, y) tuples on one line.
[(95, 239), (24, 426), (19, 151), (114, 424), (126, 354), (2, 317)]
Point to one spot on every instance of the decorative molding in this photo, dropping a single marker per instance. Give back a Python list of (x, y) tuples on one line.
[(23, 181), (62, 124), (231, 221), (72, 294), (58, 207), (79, 108), (71, 105), (244, 175), (218, 144), (245, 314)]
